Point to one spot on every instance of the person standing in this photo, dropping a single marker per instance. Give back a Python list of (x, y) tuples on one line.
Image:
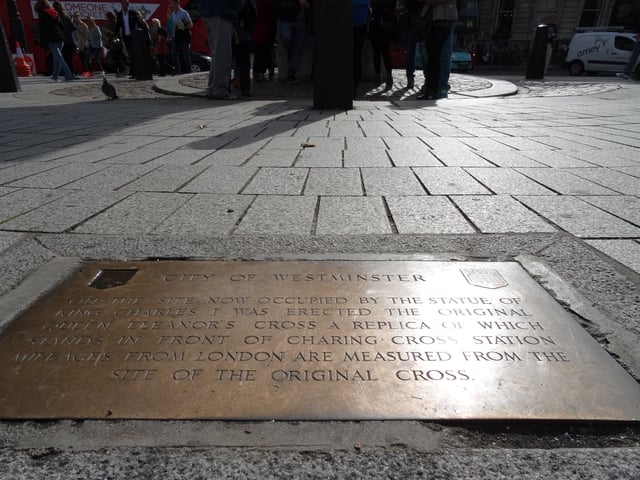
[(439, 44), (69, 47), (246, 18), (52, 35), (552, 40), (95, 43), (180, 36), (382, 30), (360, 18), (127, 21), (634, 25), (263, 37), (291, 22), (219, 16), (82, 41)]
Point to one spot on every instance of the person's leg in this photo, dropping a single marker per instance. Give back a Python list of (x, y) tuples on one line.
[(359, 37), (220, 36), (386, 58), (186, 58), (445, 62), (434, 43), (128, 43), (297, 47), (632, 59)]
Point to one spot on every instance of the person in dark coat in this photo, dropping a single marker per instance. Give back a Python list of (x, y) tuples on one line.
[(69, 48), (127, 21), (51, 31), (382, 31)]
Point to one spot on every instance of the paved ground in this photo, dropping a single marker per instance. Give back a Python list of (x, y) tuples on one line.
[(546, 173)]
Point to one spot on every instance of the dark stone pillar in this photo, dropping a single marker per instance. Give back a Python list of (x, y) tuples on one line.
[(8, 81), (537, 57), (333, 55)]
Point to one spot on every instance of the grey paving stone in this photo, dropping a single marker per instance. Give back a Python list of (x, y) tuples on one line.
[(564, 182), (137, 156), (352, 215), (23, 200), (224, 179), (66, 212), (510, 159), (111, 177), (447, 144), (23, 170), (555, 159), (414, 158), (334, 181), (378, 129), (624, 206), (205, 214), (500, 214), (391, 181), (8, 239), (285, 143), (139, 213), (507, 181), (277, 181), (580, 218), (365, 144), (349, 128), (487, 144), (616, 181), (605, 158), (626, 252), (273, 158), (279, 215), (182, 156), (168, 178), (461, 158), (427, 215), (449, 181), (560, 142), (6, 190), (635, 171), (313, 157), (371, 158)]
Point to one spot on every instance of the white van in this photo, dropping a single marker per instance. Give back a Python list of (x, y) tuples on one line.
[(594, 50)]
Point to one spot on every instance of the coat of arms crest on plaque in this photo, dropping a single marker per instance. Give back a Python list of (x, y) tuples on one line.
[(484, 277)]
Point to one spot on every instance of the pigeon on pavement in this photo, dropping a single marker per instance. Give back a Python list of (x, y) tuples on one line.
[(108, 89)]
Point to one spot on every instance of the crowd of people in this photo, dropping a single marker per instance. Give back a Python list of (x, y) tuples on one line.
[(238, 30)]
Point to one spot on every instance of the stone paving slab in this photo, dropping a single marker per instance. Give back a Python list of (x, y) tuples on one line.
[(579, 240)]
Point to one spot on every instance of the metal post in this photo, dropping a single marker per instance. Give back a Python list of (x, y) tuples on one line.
[(333, 55), (535, 68)]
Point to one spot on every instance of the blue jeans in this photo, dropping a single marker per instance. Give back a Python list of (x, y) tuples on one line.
[(181, 57), (632, 60), (445, 61), (291, 34), (58, 61)]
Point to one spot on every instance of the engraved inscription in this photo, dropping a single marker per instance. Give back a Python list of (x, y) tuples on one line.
[(307, 340)]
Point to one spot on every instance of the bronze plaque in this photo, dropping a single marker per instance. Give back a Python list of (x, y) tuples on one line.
[(306, 340)]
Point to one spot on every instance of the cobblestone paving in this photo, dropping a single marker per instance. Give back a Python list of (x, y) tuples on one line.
[(460, 84)]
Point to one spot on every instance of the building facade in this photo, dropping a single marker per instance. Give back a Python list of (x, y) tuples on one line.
[(491, 25)]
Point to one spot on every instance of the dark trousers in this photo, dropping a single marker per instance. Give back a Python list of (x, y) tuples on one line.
[(359, 37), (242, 56), (438, 36), (128, 43)]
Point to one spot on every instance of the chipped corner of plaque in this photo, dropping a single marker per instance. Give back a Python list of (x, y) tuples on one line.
[(484, 277), (112, 277)]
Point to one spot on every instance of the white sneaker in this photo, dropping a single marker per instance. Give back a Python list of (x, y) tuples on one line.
[(622, 75)]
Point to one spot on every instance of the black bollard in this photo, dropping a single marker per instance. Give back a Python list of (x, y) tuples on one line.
[(535, 67), (9, 78), (333, 55), (142, 56)]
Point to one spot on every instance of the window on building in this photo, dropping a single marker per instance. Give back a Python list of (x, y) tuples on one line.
[(590, 13), (505, 19)]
